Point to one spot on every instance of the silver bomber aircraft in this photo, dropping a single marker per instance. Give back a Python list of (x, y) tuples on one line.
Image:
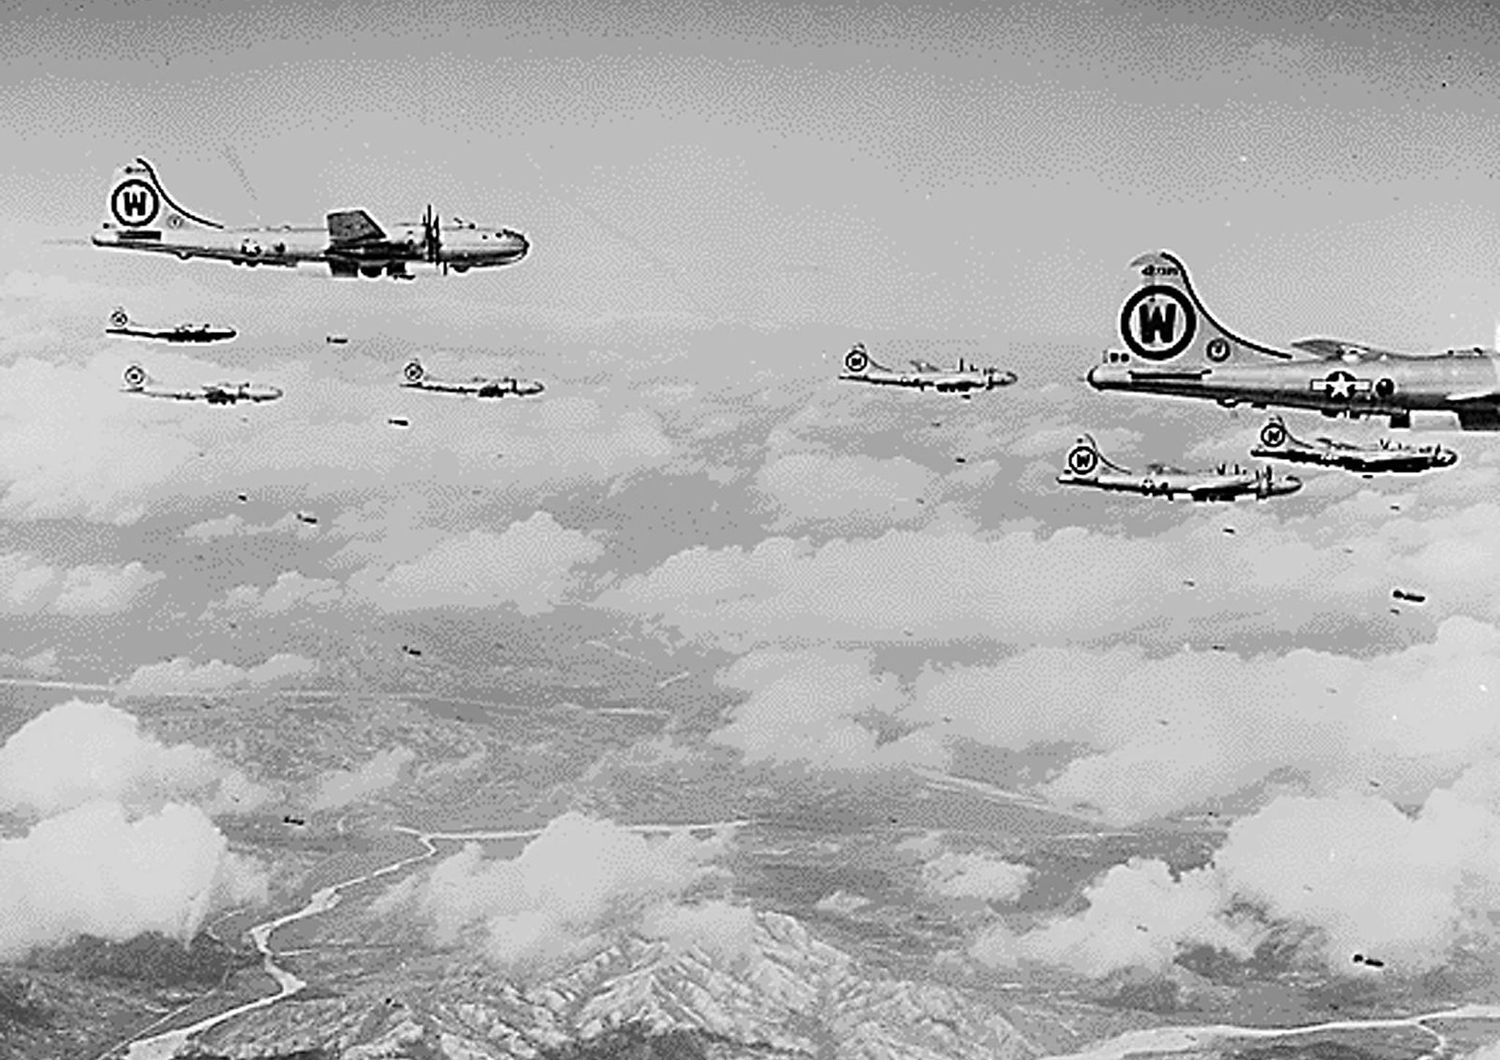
[(142, 216), (119, 324), (1278, 443), (1160, 480), (861, 368), (137, 381), (1174, 346), (415, 377)]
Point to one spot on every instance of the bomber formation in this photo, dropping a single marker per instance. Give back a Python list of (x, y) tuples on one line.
[(143, 217), (1173, 347)]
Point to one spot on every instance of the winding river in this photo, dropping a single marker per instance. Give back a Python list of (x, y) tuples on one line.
[(169, 1044), (1169, 1039)]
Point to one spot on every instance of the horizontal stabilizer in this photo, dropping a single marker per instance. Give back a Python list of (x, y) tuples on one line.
[(352, 226)]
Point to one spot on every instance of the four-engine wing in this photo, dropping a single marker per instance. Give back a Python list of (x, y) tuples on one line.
[(1277, 442), (140, 383), (415, 377)]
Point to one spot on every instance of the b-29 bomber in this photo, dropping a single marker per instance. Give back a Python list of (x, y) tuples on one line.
[(414, 376), (139, 382), (1160, 480), (141, 216), (1175, 347), (861, 368), (119, 324), (1278, 443)]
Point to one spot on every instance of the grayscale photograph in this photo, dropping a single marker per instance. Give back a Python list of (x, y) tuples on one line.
[(707, 530)]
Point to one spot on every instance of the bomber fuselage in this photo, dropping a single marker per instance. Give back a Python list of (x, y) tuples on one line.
[(1381, 385)]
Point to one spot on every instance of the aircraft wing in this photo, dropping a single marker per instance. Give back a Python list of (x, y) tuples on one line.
[(448, 388), (1215, 485), (1346, 447), (1333, 349), (1114, 484), (1208, 491), (1372, 461), (175, 395)]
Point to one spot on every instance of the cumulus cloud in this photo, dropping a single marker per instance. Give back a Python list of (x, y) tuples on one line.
[(1027, 586), (118, 850), (29, 586), (38, 664), (236, 526), (340, 787), (722, 930), (92, 870), (845, 491), (822, 708), (182, 676), (527, 565), (78, 752), (1138, 916), (290, 590), (975, 875), (1370, 878), (1351, 872), (1018, 587), (1205, 724), (571, 888)]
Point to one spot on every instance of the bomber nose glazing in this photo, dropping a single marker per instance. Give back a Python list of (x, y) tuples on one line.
[(514, 242), (1104, 376)]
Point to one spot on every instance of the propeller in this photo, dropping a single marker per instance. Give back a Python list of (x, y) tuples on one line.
[(432, 240)]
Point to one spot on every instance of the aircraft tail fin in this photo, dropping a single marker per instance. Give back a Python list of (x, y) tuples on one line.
[(1084, 458), (1274, 434), (136, 377), (413, 373), (353, 226), (858, 359), (1164, 320), (138, 204), (118, 318)]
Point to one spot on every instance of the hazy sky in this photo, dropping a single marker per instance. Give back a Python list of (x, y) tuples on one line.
[(978, 170)]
